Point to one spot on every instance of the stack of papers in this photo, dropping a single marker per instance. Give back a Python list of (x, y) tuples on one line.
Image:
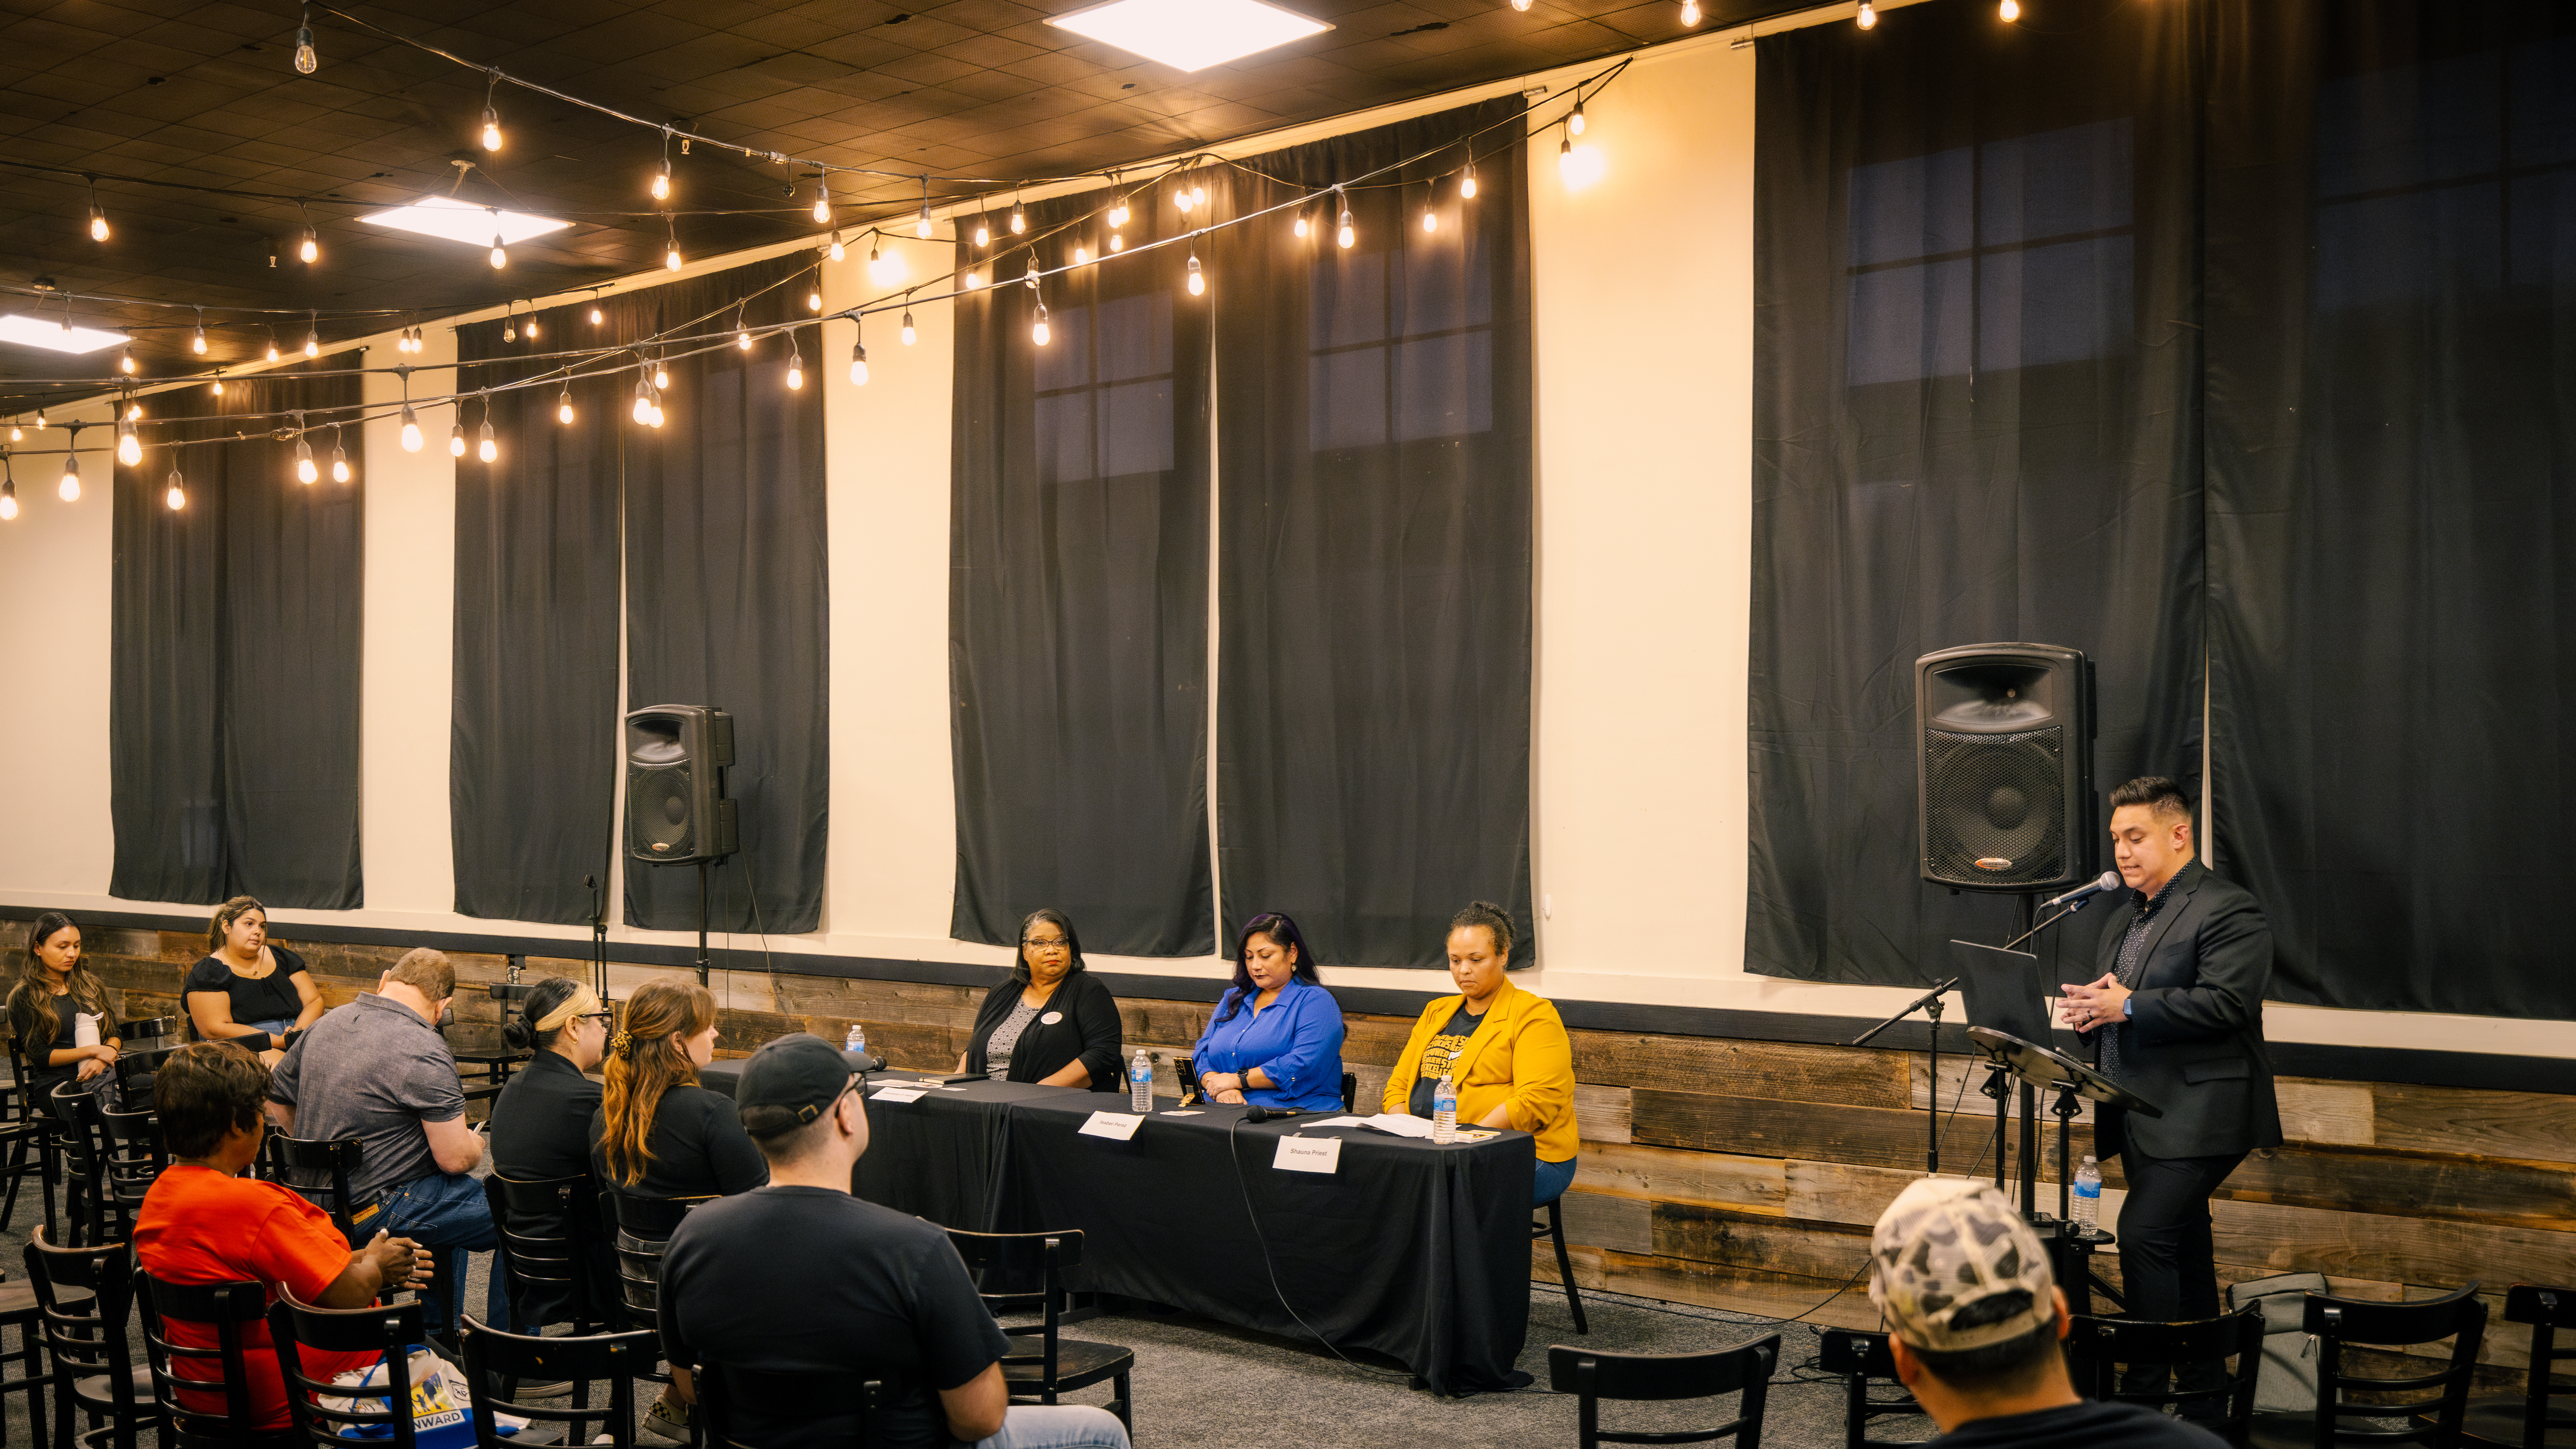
[(1401, 1126)]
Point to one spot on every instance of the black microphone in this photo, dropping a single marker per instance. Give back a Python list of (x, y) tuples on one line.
[(2109, 880), (1269, 1114)]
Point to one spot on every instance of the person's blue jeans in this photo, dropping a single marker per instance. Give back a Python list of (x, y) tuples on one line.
[(448, 1214), (1549, 1182), (1057, 1426)]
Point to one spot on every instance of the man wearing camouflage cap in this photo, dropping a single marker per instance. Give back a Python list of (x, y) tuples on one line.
[(1974, 1319)]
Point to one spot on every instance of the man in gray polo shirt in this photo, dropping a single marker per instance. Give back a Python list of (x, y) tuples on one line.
[(377, 1070)]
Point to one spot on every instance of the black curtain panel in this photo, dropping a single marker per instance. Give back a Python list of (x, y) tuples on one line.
[(2392, 464), (725, 589), (1077, 601), (233, 702), (533, 739), (1976, 420), (1374, 513)]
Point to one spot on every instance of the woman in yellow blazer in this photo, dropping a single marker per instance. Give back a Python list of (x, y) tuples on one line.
[(1507, 1050)]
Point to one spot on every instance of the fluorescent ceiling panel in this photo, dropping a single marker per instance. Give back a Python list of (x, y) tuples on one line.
[(449, 219), (1190, 34), (53, 335)]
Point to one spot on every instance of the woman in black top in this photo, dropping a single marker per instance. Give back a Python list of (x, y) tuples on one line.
[(541, 1133), (54, 997), (657, 1132), (1052, 1022), (246, 990)]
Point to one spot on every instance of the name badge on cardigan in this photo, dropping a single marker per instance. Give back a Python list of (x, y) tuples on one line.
[(1051, 1018), (1308, 1154)]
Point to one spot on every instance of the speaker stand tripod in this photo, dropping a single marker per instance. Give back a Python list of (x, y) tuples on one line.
[(702, 922)]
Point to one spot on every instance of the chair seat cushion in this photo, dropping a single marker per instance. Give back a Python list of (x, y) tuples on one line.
[(1076, 1363)]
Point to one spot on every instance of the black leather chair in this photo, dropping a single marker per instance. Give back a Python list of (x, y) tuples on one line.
[(295, 1327), (204, 1373), (2095, 1347), (497, 1362), (2433, 1421), (85, 1298), (1863, 1359), (1024, 1273), (1592, 1376)]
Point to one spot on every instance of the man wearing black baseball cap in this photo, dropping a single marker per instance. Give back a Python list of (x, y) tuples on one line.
[(800, 1276)]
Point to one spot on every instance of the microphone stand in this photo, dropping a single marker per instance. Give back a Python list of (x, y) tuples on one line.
[(1929, 1003)]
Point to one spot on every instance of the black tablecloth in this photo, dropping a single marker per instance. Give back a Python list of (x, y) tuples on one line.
[(1417, 1251)]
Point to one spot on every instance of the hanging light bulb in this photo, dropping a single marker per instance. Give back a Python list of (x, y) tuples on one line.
[(1467, 184), (858, 364), (1348, 234), (983, 235), (98, 231), (1198, 194), (125, 360), (596, 316), (823, 197), (1690, 12), (509, 330), (1118, 211), (974, 280), (40, 420), (742, 339), (656, 419), (1430, 220), (661, 378), (1039, 332), (921, 225), (884, 268), (836, 251), (1300, 229), (643, 399), (795, 366), (487, 450), (500, 253), (313, 338), (1184, 200), (563, 405), (532, 327), (310, 249), (908, 334), (671, 257), (1868, 15), (129, 448), (1117, 243), (197, 344), (411, 439), (272, 344), (2010, 10), (1198, 279), (306, 62), (219, 382), (1019, 218), (491, 127), (133, 412), (305, 472), (69, 489), (8, 499), (175, 493), (671, 249), (1079, 255), (1574, 123), (339, 458), (662, 181), (456, 436), (1521, 4)]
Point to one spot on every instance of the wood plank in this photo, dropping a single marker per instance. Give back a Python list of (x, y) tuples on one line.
[(1837, 1192), (1601, 1113), (2340, 1114), (1604, 1221), (2464, 1189), (1816, 1131), (1709, 1179), (2378, 1246), (1750, 1241), (1787, 1070), (2529, 1126)]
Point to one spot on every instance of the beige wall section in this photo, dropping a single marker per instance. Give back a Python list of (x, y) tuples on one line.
[(406, 677), (55, 609)]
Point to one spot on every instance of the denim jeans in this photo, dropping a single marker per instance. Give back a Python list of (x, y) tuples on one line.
[(1549, 1182), (1057, 1426), (448, 1214)]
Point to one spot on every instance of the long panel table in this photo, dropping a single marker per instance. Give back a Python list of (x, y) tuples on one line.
[(1410, 1249)]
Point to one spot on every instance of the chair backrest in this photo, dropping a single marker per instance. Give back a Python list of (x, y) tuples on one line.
[(1863, 1358), (224, 1307), (643, 1225), (492, 1356), (135, 1158), (86, 1334), (295, 1326), (545, 1229), (1016, 1272), (2460, 1316), (1350, 1091), (314, 1168), (78, 1134), (147, 1026), (786, 1398), (1591, 1376), (2096, 1345), (2547, 1310)]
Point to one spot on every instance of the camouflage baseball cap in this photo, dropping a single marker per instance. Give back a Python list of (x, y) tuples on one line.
[(1946, 1245)]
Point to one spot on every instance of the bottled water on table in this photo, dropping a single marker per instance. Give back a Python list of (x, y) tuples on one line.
[(2088, 1194), (1140, 1084), (1444, 1111), (857, 1040)]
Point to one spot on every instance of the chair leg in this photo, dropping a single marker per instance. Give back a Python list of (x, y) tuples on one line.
[(1565, 1269), (17, 1170), (1123, 1408)]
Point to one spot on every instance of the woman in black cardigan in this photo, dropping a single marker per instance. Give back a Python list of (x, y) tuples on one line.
[(1052, 1022)]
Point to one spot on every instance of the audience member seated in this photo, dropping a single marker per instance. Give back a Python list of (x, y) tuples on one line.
[(1275, 1038), (246, 990), (377, 1070), (540, 1125), (1506, 1051), (203, 1222), (802, 1276), (1974, 1320), (1052, 1022), (60, 1014)]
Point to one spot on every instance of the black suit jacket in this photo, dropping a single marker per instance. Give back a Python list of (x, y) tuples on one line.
[(2194, 1043)]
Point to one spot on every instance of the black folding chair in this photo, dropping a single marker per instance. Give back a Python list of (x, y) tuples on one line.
[(2096, 1347), (1552, 1227), (1022, 1273), (798, 1399), (216, 1373), (85, 1334), (497, 1362), (2338, 1324), (317, 1170), (294, 1327), (1592, 1376), (1863, 1359)]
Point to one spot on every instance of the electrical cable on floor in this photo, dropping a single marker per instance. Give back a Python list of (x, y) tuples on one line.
[(1244, 1185)]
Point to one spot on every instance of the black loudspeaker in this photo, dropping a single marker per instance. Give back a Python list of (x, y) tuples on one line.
[(676, 809), (2004, 766)]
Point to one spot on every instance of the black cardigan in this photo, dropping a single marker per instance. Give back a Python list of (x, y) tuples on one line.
[(1087, 1027)]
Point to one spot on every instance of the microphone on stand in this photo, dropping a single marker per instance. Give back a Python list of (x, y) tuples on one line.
[(2108, 880)]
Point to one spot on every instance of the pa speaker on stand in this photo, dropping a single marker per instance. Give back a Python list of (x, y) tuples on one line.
[(2005, 767), (676, 810)]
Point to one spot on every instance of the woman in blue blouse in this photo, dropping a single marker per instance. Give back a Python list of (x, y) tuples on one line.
[(1275, 1039)]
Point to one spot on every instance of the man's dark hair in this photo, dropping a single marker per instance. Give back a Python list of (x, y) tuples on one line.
[(204, 1090), (2158, 794), (1998, 1367)]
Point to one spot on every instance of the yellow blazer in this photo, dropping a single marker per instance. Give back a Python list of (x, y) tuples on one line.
[(1520, 1057)]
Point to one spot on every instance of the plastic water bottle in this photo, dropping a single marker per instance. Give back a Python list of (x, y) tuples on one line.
[(2088, 1195), (1140, 1084), (857, 1040), (1444, 1111)]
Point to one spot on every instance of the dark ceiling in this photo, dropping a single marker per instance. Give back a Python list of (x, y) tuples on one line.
[(206, 94)]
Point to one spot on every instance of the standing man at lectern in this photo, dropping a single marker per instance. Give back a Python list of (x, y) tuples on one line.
[(2177, 1017)]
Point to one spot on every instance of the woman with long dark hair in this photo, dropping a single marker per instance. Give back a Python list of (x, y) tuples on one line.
[(1275, 1038), (246, 988), (60, 1014), (1050, 1022)]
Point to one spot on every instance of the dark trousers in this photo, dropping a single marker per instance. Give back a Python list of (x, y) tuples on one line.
[(2167, 1260)]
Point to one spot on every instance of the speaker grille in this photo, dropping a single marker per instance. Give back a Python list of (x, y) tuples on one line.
[(657, 812), (1995, 798)]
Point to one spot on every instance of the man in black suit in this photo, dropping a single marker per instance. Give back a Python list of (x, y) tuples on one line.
[(2176, 1017)]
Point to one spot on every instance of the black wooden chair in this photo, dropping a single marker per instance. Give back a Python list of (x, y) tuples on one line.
[(131, 1157), (295, 1326), (85, 1297), (643, 1226), (1863, 1359), (2341, 1323), (549, 1229), (20, 1310), (80, 1145), (1350, 1091), (483, 1070), (205, 1373), (2096, 1347), (26, 1135), (1024, 1273), (2527, 1421), (497, 1362), (799, 1398), (318, 1170), (1552, 1227), (1591, 1376)]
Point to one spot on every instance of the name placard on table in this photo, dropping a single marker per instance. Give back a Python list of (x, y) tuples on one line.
[(1118, 1126), (900, 1094), (1308, 1154)]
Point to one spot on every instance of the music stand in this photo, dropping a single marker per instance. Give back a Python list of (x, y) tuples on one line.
[(2039, 1066)]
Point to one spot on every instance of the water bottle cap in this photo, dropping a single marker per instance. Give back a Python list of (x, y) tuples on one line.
[(2088, 1161)]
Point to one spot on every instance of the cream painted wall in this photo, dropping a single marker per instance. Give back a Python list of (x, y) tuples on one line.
[(1643, 313)]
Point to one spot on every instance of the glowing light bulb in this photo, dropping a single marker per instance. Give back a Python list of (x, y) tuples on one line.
[(272, 347), (129, 448), (643, 403), (176, 494), (1117, 243), (411, 439), (8, 500), (563, 409), (1118, 213), (1868, 15), (1198, 194), (219, 391), (974, 280), (491, 129), (597, 316), (1430, 221), (921, 226), (1690, 12), (1349, 234), (125, 362), (1574, 123), (795, 372), (305, 472), (671, 258), (885, 268), (1467, 184), (339, 464), (858, 364), (197, 344), (2010, 10), (510, 331), (306, 61), (310, 249), (1300, 228), (500, 253), (661, 378), (742, 339), (983, 235), (907, 327), (1198, 279), (1040, 333), (1521, 4), (456, 441), (823, 199), (662, 181), (487, 450), (1184, 201), (656, 419), (1019, 219), (133, 411), (814, 300), (313, 344), (97, 222), (1080, 256), (69, 489)]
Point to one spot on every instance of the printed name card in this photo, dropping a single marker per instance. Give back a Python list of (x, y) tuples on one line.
[(1118, 1125), (899, 1094), (1308, 1154)]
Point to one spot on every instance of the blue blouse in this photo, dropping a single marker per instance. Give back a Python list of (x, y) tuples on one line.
[(1296, 1040)]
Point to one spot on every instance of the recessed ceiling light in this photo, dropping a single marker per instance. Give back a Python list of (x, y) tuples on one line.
[(54, 336), (453, 220), (1190, 34)]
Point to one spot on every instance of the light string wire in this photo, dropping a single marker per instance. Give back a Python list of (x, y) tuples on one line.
[(884, 302)]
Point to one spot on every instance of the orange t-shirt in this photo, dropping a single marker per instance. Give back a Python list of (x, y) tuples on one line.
[(199, 1226)]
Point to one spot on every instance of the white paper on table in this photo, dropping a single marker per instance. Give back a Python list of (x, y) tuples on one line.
[(1116, 1125), (1400, 1125), (899, 1094), (1308, 1154), (1338, 1122)]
